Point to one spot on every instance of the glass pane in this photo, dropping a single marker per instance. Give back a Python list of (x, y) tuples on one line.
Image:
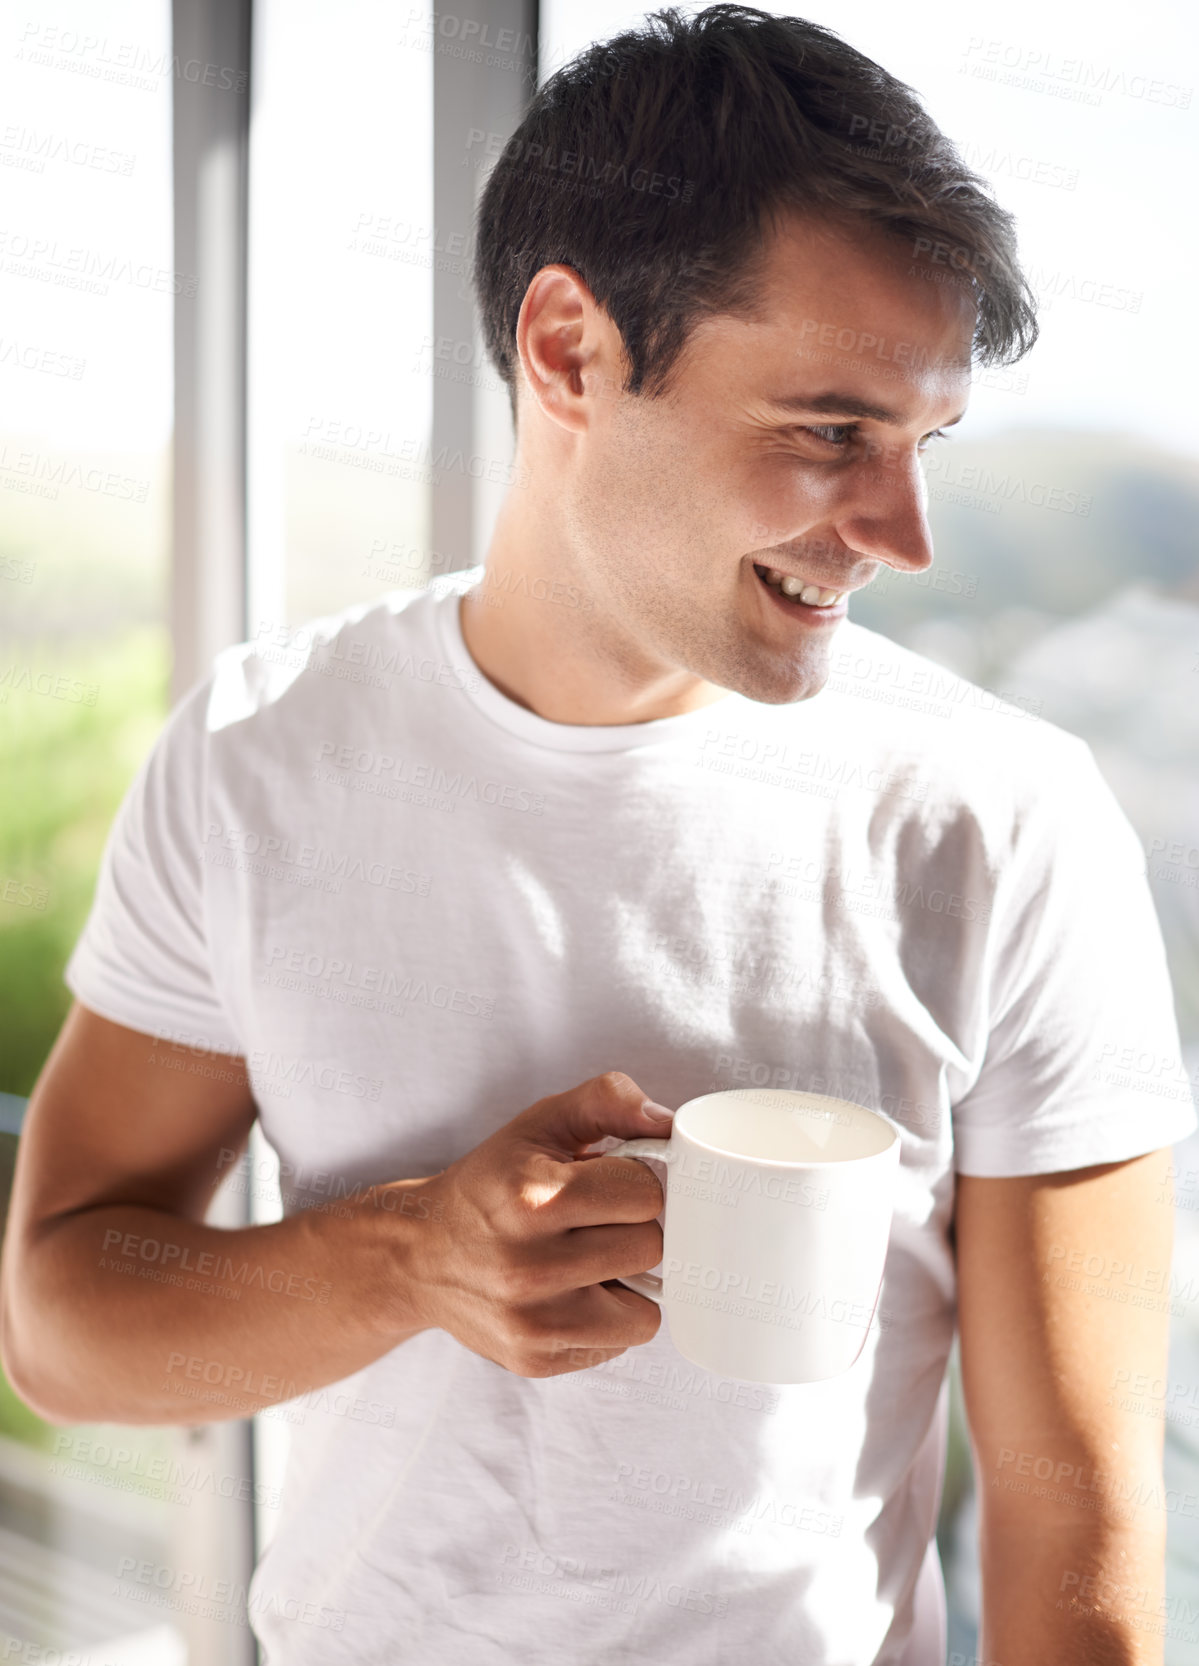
[(342, 259), (85, 423), (86, 286), (1063, 509)]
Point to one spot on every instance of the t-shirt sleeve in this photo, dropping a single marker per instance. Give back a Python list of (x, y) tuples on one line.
[(1083, 1061), (143, 959)]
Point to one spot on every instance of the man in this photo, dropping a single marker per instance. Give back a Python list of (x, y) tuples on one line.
[(470, 882)]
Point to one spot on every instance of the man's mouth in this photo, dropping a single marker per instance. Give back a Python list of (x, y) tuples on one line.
[(798, 590)]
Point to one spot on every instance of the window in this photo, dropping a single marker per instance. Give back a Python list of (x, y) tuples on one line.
[(87, 282), (342, 260)]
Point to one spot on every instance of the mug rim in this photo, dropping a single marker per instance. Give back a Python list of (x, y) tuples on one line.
[(789, 1162)]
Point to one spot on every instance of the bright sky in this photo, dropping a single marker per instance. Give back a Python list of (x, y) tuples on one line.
[(359, 98), (86, 184)]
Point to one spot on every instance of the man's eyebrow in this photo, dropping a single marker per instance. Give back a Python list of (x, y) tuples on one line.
[(845, 404)]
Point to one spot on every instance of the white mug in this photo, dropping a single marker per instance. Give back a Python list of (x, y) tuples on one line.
[(778, 1213)]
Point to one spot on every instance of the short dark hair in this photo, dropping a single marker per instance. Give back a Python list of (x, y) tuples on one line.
[(655, 164)]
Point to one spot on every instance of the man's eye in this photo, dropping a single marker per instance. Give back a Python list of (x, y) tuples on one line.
[(839, 434), (835, 434)]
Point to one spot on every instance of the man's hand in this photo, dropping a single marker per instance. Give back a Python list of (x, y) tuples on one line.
[(517, 1269), (125, 1144)]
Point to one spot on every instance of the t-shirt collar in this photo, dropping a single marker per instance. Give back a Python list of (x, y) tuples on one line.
[(540, 731)]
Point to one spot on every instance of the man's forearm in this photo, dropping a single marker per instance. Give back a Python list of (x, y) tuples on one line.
[(126, 1314), (1073, 1594)]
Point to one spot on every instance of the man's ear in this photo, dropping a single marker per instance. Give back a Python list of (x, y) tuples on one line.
[(564, 341)]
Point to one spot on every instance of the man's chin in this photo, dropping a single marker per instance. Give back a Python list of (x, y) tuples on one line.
[(784, 685)]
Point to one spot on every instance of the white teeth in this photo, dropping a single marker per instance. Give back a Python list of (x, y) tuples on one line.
[(811, 594)]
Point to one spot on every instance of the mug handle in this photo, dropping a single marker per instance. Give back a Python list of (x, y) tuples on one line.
[(645, 1284)]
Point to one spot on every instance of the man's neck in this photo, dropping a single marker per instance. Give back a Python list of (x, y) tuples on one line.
[(555, 646)]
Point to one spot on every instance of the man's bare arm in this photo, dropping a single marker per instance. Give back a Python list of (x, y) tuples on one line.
[(1063, 1296), (113, 1287), (117, 1165)]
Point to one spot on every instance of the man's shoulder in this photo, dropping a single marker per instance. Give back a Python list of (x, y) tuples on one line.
[(910, 702), (895, 721), (345, 660)]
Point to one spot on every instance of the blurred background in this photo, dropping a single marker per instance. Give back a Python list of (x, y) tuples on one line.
[(277, 225)]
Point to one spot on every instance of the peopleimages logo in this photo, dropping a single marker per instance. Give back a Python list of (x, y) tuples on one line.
[(277, 856), (1016, 64), (270, 1070), (162, 1254), (1009, 488), (744, 1293), (728, 1503), (347, 764), (22, 679), (221, 1599), (729, 1177), (361, 984), (532, 1568)]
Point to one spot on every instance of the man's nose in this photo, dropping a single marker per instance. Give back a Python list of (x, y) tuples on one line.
[(885, 513)]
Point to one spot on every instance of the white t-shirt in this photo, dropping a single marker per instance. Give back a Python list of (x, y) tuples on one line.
[(417, 907)]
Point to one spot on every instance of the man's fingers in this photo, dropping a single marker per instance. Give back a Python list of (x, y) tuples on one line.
[(590, 1326), (588, 1256), (617, 1189), (612, 1104), (547, 1197)]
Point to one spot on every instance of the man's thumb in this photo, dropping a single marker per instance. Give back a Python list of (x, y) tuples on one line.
[(611, 1105)]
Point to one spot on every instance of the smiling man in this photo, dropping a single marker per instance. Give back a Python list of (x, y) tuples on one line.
[(460, 885), (761, 437)]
